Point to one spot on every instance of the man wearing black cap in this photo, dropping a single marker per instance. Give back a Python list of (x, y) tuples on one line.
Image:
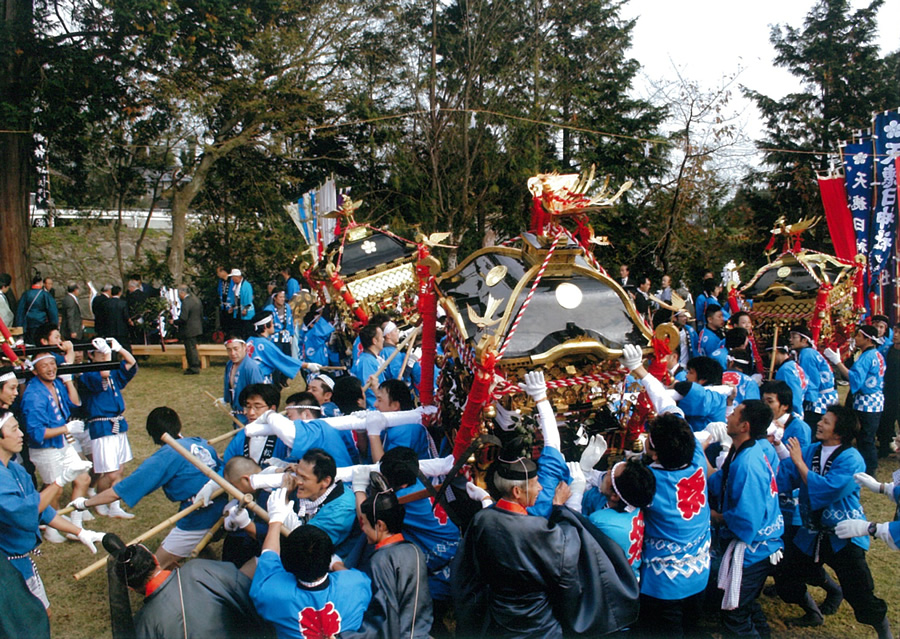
[(866, 379), (203, 598), (820, 391), (885, 332)]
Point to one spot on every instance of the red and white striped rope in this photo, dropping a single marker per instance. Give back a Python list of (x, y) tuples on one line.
[(504, 387), (534, 285)]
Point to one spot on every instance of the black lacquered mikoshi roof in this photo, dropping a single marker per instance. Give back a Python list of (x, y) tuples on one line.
[(602, 313), (374, 250), (787, 274)]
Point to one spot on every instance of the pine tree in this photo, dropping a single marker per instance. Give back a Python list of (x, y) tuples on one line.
[(843, 80)]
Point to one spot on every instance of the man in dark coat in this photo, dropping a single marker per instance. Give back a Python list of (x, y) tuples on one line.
[(117, 318), (190, 322), (98, 308), (521, 575)]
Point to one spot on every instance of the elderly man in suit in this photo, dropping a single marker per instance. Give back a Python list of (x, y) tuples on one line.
[(70, 324), (191, 324)]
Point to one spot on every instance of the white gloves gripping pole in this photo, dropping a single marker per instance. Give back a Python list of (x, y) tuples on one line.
[(204, 495), (662, 399), (101, 345), (595, 449), (536, 388), (832, 355)]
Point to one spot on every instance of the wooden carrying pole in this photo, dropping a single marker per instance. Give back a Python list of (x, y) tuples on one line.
[(384, 365), (207, 538), (146, 535), (230, 434), (224, 483), (772, 356)]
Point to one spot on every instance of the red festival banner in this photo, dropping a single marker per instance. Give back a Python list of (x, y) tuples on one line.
[(838, 216)]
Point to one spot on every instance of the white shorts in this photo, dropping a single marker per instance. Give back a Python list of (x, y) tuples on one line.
[(49, 461), (111, 452), (182, 542), (82, 443)]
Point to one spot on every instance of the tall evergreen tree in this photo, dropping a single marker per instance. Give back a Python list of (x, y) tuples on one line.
[(843, 80)]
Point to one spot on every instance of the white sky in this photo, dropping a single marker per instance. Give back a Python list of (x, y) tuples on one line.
[(707, 39)]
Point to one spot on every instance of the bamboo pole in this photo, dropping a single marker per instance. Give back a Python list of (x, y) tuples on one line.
[(224, 483), (207, 538), (146, 535), (772, 359), (409, 350), (386, 362), (225, 410)]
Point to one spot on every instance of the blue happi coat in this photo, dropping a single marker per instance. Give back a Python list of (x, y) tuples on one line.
[(748, 496), (676, 532)]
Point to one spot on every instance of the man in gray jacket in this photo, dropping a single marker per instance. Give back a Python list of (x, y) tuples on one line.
[(191, 324), (70, 324)]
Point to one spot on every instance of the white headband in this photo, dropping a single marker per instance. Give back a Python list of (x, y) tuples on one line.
[(296, 407), (7, 376), (325, 379), (390, 327), (234, 340), (262, 322), (6, 418), (42, 356), (612, 479)]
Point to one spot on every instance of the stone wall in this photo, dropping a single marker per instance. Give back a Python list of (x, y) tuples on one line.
[(84, 252)]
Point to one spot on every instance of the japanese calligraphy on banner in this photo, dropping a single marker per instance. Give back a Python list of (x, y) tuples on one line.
[(886, 134), (858, 170)]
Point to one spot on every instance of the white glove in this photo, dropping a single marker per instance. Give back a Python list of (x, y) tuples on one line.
[(278, 506), (75, 426), (832, 355), (535, 386), (100, 345), (506, 419), (114, 345), (204, 495), (775, 431), (312, 367), (479, 494), (437, 467), (361, 478), (335, 559), (89, 538), (595, 449), (576, 486), (851, 528), (757, 378), (71, 470), (718, 433), (237, 518), (775, 557), (376, 422), (867, 481), (65, 379), (78, 503), (427, 410), (632, 357), (220, 401)]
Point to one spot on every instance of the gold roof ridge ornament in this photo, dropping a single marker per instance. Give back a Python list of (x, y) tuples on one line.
[(791, 234), (347, 210), (567, 194)]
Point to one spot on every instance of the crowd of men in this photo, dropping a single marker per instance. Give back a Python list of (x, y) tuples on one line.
[(361, 525)]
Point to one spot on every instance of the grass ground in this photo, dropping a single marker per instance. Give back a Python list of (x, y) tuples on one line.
[(80, 609)]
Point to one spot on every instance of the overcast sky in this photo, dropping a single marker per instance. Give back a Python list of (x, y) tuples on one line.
[(707, 39)]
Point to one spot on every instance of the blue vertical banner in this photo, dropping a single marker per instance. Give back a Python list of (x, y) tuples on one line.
[(883, 228), (859, 171)]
